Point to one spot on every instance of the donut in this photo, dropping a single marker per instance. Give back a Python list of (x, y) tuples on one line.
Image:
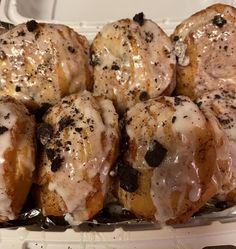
[(222, 103), (80, 137), (205, 48), (17, 156), (168, 168), (133, 61), (41, 63)]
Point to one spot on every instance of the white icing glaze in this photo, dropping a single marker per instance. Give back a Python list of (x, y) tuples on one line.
[(41, 65), (214, 49), (143, 57), (85, 151), (179, 126)]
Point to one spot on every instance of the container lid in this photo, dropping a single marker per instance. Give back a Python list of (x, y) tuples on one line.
[(87, 17)]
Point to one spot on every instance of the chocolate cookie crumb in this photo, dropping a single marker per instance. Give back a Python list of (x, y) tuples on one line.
[(128, 176), (115, 66), (217, 96), (155, 154), (18, 89), (144, 96), (178, 100), (176, 38), (78, 129), (149, 37), (56, 163), (7, 116), (3, 129), (64, 122), (173, 119), (139, 18), (71, 49), (31, 25), (219, 21)]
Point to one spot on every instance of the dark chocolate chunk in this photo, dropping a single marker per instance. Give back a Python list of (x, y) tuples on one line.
[(95, 60), (18, 89), (64, 122), (144, 96), (115, 66), (139, 18), (219, 21), (155, 154), (31, 25), (3, 129), (3, 55), (56, 163), (128, 176), (50, 154), (71, 49), (44, 133)]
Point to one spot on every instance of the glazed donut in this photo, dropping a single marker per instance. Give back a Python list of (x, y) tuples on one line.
[(168, 170), (205, 47), (222, 103), (17, 156), (41, 63), (80, 137), (132, 61)]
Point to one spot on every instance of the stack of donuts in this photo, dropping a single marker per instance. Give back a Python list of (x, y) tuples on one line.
[(146, 117)]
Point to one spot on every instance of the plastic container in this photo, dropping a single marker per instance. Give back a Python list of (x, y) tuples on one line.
[(87, 17)]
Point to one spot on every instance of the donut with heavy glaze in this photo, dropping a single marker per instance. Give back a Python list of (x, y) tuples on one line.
[(80, 137), (133, 61), (205, 48), (17, 156), (221, 105), (41, 63), (169, 166)]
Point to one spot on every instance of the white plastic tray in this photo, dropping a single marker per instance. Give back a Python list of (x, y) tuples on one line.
[(200, 237), (87, 17)]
